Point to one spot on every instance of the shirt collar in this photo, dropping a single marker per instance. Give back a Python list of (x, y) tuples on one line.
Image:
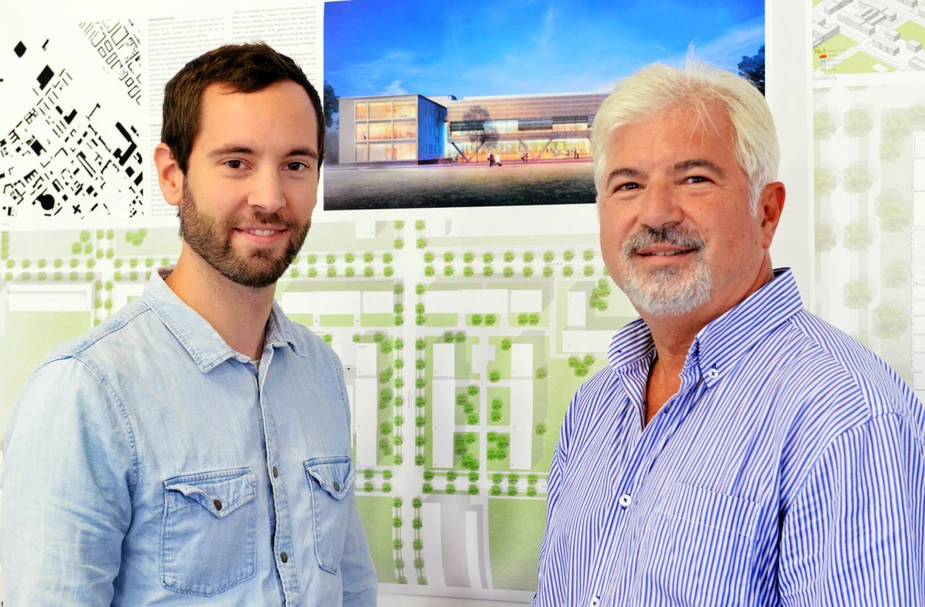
[(203, 343), (720, 344)]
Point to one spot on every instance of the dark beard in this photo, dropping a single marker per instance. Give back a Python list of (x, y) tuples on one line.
[(212, 242)]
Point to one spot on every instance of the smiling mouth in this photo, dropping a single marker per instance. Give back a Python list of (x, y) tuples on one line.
[(666, 253)]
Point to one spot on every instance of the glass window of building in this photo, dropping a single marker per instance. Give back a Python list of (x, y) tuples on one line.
[(380, 110), (362, 131), (362, 152), (362, 110), (405, 151), (406, 108), (380, 152), (405, 130), (380, 130)]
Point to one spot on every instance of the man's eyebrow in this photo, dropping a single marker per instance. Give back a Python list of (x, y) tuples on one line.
[(698, 163), (241, 149), (310, 152), (622, 172), (230, 149)]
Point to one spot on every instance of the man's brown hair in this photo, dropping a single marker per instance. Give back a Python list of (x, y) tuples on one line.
[(245, 68)]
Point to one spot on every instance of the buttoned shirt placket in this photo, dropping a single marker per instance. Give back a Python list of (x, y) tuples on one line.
[(620, 517), (281, 523)]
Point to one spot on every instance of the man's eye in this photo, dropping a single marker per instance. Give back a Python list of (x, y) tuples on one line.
[(697, 179), (234, 164), (296, 166), (627, 186)]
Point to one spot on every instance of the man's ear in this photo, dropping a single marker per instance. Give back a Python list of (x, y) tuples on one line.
[(770, 207), (169, 175)]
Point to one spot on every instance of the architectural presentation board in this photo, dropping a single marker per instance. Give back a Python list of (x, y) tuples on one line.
[(453, 263)]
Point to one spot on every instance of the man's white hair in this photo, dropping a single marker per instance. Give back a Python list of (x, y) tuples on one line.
[(659, 90)]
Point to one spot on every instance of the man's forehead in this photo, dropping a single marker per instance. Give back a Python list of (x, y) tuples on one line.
[(677, 133), (231, 117)]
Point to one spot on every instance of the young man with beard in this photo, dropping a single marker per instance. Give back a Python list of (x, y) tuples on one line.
[(195, 449), (737, 451)]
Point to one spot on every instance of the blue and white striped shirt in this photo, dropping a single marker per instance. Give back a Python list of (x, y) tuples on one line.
[(789, 469)]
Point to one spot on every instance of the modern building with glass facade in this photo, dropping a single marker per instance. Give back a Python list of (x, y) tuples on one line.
[(523, 126), (405, 128), (413, 128)]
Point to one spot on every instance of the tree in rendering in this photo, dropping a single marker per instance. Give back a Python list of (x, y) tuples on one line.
[(858, 123), (752, 68), (823, 126), (890, 321), (825, 238), (478, 130), (894, 213)]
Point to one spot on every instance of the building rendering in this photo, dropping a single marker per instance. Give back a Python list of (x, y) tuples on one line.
[(405, 128), (418, 129), (523, 126)]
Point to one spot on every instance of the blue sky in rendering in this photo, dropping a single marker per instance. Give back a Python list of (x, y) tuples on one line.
[(513, 47)]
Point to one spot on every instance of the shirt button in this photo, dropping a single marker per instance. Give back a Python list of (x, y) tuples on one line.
[(595, 602), (275, 472), (336, 486), (217, 504), (284, 557), (626, 500), (712, 373)]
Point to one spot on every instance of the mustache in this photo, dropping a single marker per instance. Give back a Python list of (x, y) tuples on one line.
[(266, 218), (669, 235)]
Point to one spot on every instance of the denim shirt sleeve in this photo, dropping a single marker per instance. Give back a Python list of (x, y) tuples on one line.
[(67, 478), (361, 583)]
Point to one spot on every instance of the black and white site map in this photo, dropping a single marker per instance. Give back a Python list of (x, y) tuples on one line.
[(70, 146)]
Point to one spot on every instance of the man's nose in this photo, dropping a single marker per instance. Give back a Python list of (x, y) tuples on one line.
[(658, 205), (267, 192)]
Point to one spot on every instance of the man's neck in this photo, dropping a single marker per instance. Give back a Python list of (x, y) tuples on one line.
[(672, 344), (238, 314), (673, 336)]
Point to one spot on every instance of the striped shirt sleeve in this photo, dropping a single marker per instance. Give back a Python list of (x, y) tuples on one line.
[(854, 533)]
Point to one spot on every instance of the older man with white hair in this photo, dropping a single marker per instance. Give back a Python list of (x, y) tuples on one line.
[(737, 450)]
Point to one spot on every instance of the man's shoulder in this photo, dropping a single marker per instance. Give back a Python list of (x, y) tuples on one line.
[(853, 358), (111, 334), (595, 392), (836, 370)]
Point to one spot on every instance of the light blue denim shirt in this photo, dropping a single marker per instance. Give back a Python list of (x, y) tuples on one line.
[(148, 463)]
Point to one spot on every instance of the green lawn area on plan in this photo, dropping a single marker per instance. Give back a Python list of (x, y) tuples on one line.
[(37, 245), (505, 395), (158, 242), (562, 386), (472, 449), (516, 529), (376, 514), (441, 320), (384, 361), (502, 361), (834, 46), (336, 320), (500, 465), (858, 63), (376, 320), (28, 339), (910, 30)]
